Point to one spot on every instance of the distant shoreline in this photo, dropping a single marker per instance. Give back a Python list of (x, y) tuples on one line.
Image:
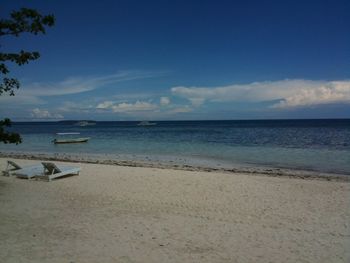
[(119, 161)]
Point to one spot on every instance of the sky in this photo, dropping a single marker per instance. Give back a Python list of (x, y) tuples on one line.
[(183, 60)]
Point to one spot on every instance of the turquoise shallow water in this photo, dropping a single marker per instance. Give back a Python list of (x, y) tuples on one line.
[(318, 145)]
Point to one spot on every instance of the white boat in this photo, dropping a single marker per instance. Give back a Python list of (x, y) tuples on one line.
[(85, 123), (77, 140), (70, 140), (146, 123)]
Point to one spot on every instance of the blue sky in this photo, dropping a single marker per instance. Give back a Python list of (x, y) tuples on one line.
[(183, 60)]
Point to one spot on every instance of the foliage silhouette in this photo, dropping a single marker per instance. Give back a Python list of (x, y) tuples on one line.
[(25, 20)]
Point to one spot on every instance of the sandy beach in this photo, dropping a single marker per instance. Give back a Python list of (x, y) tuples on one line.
[(113, 213)]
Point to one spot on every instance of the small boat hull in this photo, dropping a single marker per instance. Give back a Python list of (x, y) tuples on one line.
[(78, 140)]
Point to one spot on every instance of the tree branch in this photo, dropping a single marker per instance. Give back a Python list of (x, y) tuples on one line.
[(25, 20)]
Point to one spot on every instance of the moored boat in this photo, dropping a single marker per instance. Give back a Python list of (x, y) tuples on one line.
[(77, 140), (85, 123), (70, 140)]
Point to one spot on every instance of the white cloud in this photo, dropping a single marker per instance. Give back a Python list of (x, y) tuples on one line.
[(164, 101), (44, 114), (105, 105), (138, 106), (289, 93), (33, 93), (144, 109), (334, 93)]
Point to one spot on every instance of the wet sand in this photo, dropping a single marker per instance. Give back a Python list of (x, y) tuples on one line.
[(112, 213), (186, 164)]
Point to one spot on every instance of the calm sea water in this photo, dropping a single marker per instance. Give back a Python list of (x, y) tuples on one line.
[(320, 145)]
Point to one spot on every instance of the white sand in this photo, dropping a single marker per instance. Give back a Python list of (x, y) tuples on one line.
[(131, 214)]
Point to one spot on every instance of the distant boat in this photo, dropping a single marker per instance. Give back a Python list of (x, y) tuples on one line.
[(77, 140), (146, 123), (85, 123), (70, 140)]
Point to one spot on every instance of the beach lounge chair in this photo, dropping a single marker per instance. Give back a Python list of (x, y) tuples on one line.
[(13, 168), (52, 171)]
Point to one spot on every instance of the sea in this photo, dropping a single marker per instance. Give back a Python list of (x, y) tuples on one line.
[(321, 145)]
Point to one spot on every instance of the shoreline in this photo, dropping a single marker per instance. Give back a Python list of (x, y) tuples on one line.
[(118, 160)]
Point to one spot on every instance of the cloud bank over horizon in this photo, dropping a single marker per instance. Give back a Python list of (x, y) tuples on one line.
[(282, 94), (177, 102)]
